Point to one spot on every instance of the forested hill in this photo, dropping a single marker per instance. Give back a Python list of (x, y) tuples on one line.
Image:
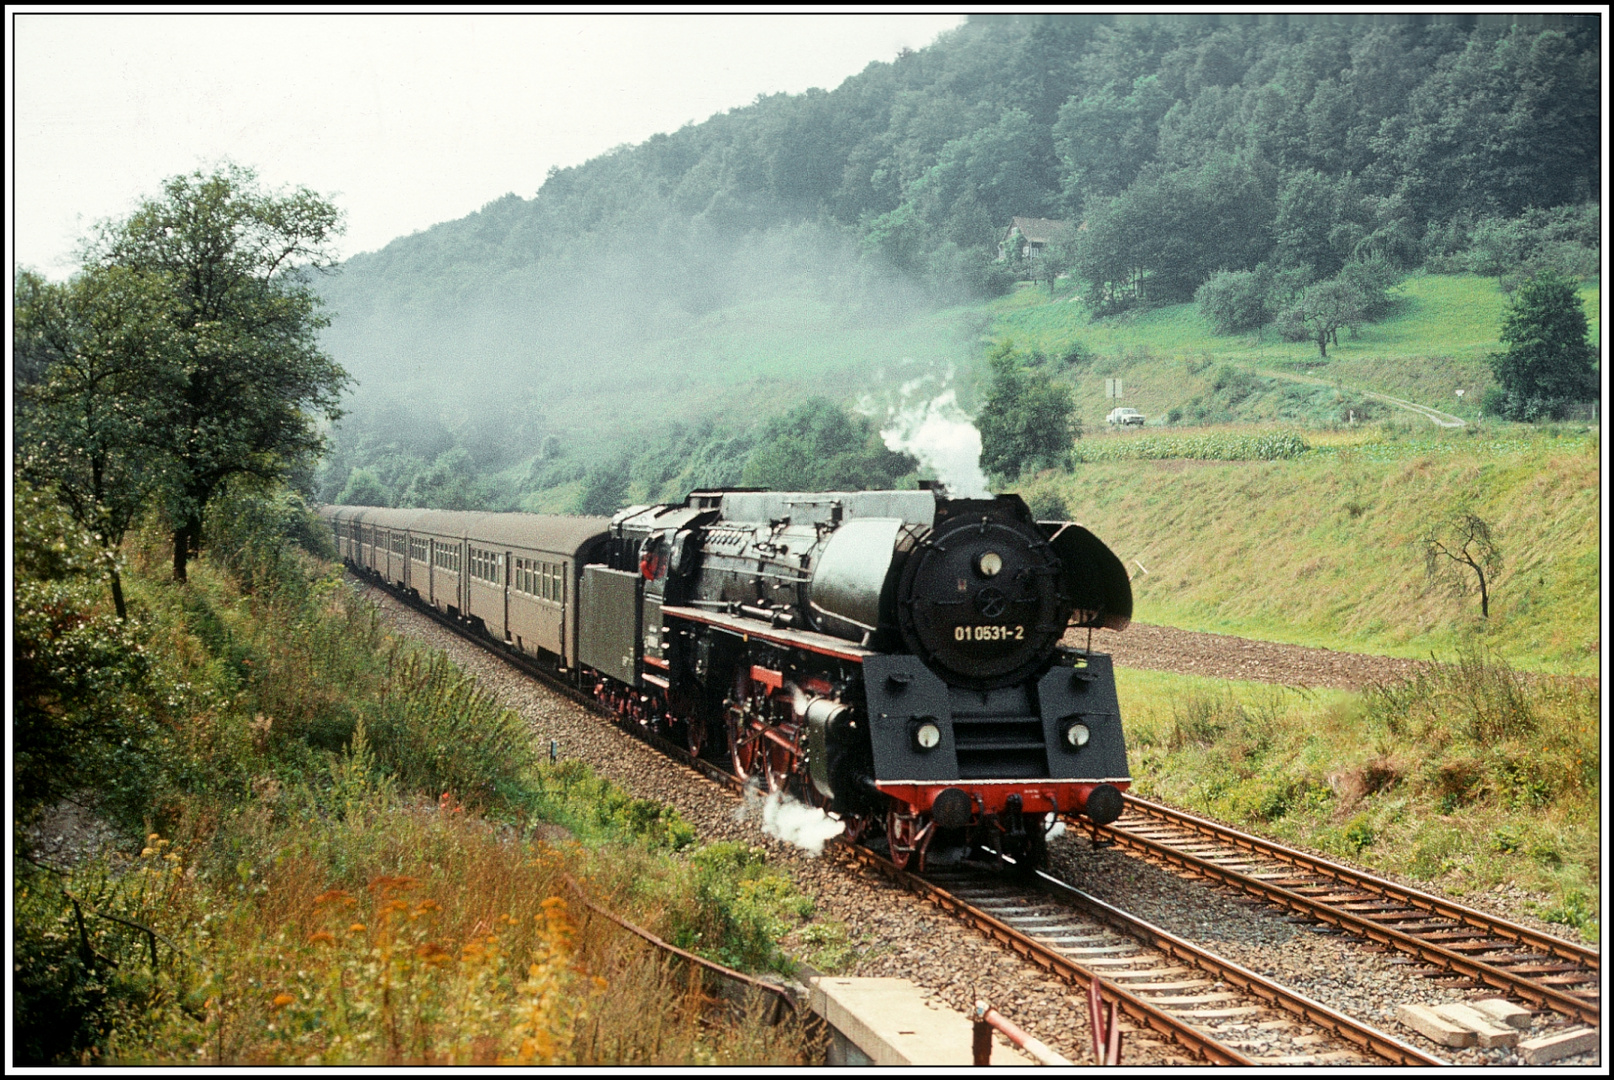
[(1182, 145)]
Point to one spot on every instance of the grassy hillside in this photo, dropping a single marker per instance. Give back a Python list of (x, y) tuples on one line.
[(1324, 549), (1435, 342)]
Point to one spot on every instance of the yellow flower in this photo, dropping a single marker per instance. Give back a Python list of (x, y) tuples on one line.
[(357, 928), (282, 1000)]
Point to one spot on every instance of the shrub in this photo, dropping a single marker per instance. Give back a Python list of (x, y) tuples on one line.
[(1234, 301), (80, 722)]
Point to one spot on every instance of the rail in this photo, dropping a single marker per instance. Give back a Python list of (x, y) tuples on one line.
[(1448, 932)]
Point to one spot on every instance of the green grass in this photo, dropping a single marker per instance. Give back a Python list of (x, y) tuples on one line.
[(1324, 549), (1435, 342), (1464, 780)]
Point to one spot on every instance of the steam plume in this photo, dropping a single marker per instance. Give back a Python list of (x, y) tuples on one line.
[(783, 818), (925, 419)]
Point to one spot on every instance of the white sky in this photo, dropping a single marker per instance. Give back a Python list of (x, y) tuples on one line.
[(404, 119)]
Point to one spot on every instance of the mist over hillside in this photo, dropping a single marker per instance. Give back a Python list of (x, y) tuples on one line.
[(615, 331), (804, 243)]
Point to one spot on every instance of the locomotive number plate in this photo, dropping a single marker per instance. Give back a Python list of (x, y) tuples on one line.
[(989, 633)]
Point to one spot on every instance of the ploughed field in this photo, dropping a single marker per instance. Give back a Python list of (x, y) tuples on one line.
[(1218, 656)]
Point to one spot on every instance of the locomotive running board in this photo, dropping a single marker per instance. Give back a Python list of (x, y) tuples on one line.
[(810, 640)]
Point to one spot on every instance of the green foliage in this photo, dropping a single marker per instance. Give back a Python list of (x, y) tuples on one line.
[(1233, 301), (691, 457), (79, 726), (99, 354), (1205, 446), (1162, 238), (745, 907), (1320, 221), (1549, 363), (247, 377), (363, 488), (438, 730), (1574, 909), (1499, 733), (572, 794), (818, 446), (258, 530), (1321, 311), (451, 482), (1027, 420), (605, 488), (829, 947)]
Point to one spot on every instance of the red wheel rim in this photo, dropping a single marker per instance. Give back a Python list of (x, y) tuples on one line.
[(742, 750)]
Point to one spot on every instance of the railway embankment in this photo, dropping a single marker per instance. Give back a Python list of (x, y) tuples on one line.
[(301, 837)]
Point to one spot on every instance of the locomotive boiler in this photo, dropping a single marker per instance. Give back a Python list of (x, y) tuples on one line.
[(893, 657)]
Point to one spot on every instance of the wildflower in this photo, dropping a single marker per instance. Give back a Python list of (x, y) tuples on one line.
[(322, 937), (357, 928), (282, 1000)]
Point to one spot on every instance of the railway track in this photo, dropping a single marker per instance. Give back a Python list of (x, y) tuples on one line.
[(1209, 1005), (1443, 937), (1157, 981)]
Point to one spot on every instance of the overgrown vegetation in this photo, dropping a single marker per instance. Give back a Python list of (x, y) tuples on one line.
[(351, 854), (1468, 776)]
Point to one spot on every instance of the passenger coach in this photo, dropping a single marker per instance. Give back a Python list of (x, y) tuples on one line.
[(517, 575)]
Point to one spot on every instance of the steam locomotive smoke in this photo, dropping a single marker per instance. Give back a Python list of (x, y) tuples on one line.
[(928, 423), (783, 818)]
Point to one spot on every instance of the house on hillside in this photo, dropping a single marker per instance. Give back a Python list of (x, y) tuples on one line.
[(1030, 236)]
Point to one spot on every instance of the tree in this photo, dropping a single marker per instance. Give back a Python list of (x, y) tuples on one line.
[(1320, 312), (1056, 258), (604, 488), (1549, 362), (819, 446), (1027, 420), (1462, 540), (248, 377), (100, 352), (363, 488)]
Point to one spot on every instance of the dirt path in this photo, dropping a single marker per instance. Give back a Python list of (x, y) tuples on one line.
[(1433, 415), (1189, 652)]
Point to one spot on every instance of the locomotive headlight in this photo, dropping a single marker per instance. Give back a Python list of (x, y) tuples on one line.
[(926, 733), (1076, 735), (989, 564)]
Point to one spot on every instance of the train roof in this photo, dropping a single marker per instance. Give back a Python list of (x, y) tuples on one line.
[(550, 532), (810, 507)]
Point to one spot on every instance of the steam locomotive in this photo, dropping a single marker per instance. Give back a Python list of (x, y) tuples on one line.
[(893, 657)]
